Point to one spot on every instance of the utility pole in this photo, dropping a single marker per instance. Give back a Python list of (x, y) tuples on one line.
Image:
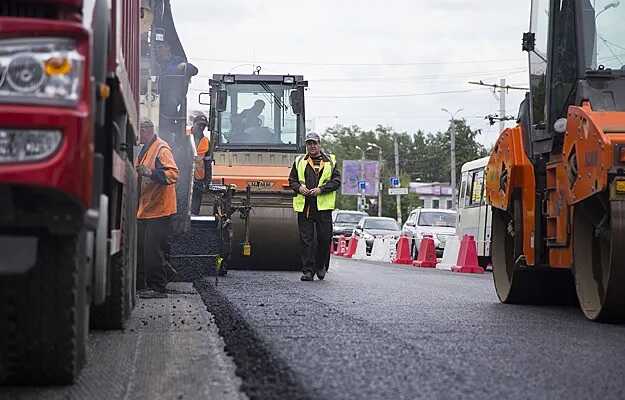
[(502, 104), (398, 197), (502, 89), (452, 131)]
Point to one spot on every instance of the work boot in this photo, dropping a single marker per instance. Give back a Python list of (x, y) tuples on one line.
[(307, 276), (151, 294), (321, 274)]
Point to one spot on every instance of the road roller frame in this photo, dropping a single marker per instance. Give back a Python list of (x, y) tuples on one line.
[(556, 181)]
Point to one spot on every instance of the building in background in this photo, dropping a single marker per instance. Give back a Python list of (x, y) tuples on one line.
[(433, 195)]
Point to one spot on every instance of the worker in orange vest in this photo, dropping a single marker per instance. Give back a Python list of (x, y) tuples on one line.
[(203, 164), (158, 174)]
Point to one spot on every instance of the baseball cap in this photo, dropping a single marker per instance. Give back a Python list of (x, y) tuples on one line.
[(200, 118), (312, 136)]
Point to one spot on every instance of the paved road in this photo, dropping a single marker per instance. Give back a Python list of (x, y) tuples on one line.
[(390, 332), (170, 350)]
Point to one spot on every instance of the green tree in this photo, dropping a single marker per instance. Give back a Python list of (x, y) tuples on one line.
[(423, 157)]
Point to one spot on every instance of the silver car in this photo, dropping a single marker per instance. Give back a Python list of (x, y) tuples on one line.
[(370, 228), (344, 222), (438, 223)]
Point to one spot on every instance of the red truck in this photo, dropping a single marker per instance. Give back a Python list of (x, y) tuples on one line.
[(69, 72)]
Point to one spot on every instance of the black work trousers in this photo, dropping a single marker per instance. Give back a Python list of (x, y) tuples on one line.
[(315, 235), (152, 264)]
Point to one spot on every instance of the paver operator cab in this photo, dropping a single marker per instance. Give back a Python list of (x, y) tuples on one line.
[(257, 125), (557, 181)]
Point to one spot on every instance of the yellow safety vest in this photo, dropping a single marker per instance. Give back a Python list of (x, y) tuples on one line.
[(325, 201)]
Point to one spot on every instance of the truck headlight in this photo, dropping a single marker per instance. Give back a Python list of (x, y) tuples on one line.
[(40, 71), (27, 145)]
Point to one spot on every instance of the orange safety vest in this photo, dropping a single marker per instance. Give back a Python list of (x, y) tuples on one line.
[(202, 149), (157, 200)]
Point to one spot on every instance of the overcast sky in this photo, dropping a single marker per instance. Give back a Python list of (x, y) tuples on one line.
[(367, 62)]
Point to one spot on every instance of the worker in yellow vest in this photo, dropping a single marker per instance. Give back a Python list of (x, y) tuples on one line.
[(158, 174), (315, 180), (203, 163)]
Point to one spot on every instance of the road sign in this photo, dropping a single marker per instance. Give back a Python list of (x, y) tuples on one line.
[(362, 185), (355, 171), (397, 191), (395, 181)]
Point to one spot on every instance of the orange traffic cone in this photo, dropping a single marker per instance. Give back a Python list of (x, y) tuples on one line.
[(351, 249), (427, 253), (467, 257), (403, 255)]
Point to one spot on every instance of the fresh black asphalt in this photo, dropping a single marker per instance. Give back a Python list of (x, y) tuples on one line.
[(392, 332)]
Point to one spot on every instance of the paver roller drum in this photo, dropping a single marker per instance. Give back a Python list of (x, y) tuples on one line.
[(274, 238)]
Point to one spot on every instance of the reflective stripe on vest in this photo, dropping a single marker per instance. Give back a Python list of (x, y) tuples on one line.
[(325, 201)]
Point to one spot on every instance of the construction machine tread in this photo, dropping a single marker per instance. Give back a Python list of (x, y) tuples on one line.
[(598, 254), (44, 314)]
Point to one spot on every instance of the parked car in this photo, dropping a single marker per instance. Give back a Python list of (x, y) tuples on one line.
[(370, 228), (344, 221), (438, 223)]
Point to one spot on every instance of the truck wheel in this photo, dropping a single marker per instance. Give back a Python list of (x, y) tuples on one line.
[(45, 314), (598, 253)]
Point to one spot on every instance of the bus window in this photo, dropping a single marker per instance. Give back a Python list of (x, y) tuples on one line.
[(477, 188)]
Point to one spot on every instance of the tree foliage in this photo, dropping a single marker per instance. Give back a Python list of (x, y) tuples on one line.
[(423, 157)]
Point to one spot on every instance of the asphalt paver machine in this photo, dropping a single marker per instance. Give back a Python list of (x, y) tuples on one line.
[(557, 180)]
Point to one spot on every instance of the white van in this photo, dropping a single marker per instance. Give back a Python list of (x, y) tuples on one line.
[(474, 215)]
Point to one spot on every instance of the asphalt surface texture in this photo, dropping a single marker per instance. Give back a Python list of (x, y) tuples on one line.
[(170, 349), (382, 331)]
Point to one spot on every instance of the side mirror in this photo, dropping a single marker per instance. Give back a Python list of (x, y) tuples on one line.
[(410, 223), (222, 100), (204, 99), (296, 98)]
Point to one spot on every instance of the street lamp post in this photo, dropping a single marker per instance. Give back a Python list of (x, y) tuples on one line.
[(375, 146), (454, 200), (362, 202)]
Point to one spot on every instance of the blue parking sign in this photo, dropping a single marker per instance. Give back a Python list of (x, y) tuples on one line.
[(394, 181), (362, 185)]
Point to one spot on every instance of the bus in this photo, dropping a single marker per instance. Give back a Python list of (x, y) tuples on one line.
[(474, 215)]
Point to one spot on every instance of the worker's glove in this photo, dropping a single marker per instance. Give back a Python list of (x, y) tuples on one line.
[(142, 170)]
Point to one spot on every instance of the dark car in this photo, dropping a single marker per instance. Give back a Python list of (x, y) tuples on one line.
[(370, 228), (344, 222)]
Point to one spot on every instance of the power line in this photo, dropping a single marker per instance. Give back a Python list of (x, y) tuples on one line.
[(432, 77), (220, 60), (495, 86), (390, 96)]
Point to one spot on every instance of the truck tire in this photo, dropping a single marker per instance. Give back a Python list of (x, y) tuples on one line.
[(44, 315)]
